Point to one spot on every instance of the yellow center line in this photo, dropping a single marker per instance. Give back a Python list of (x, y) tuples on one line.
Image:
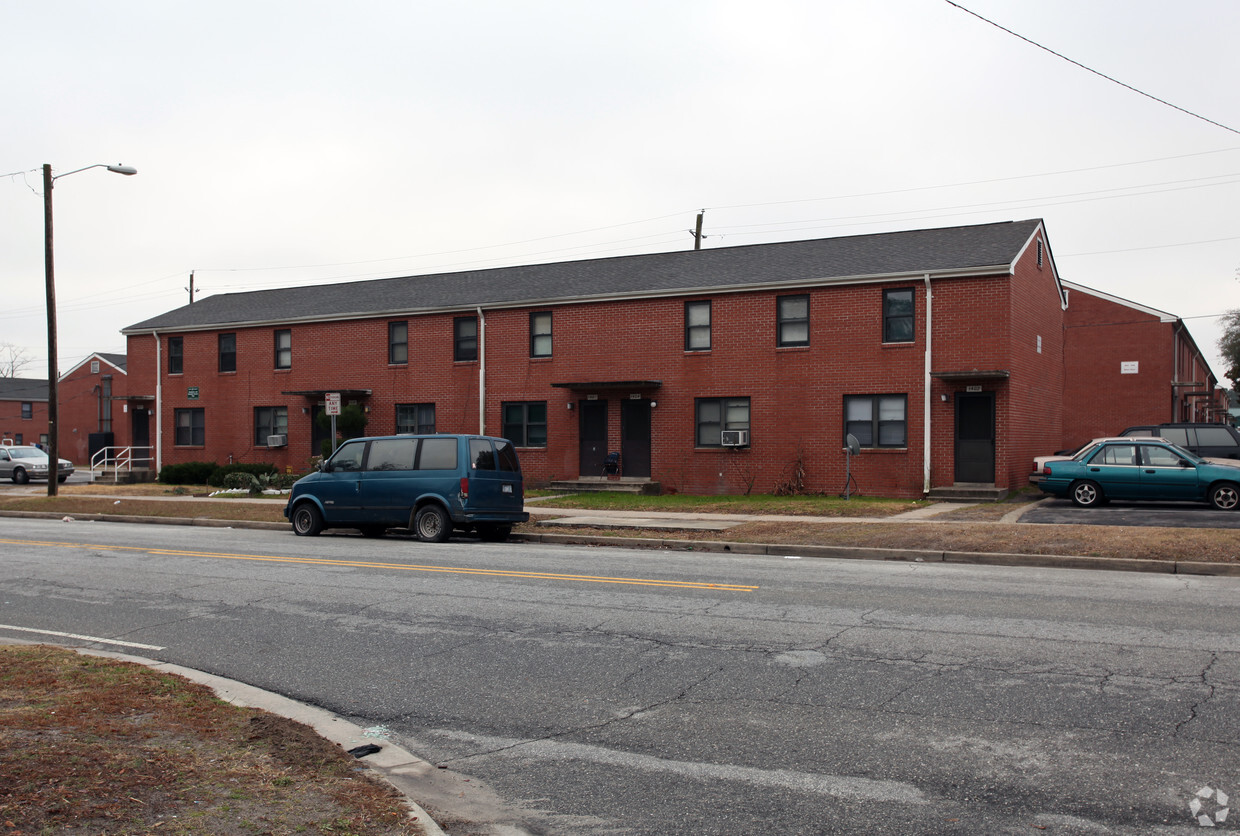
[(362, 564)]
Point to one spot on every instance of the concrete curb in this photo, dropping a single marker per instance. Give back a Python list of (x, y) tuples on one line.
[(1045, 561)]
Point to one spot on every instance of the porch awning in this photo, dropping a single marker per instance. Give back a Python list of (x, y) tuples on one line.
[(973, 374), (609, 384)]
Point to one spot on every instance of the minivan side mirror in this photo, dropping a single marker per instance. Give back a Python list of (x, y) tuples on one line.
[(324, 467)]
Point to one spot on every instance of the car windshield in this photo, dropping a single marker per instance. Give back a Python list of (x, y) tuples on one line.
[(26, 453)]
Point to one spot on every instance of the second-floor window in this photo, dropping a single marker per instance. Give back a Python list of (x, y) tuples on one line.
[(540, 334), (792, 320), (898, 315), (27, 410), (284, 349), (465, 338), (228, 352), (398, 343), (176, 355), (697, 326)]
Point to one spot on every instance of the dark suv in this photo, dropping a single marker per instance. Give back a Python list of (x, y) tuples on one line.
[(1220, 441)]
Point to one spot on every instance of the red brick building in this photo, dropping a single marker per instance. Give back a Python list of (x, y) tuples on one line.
[(709, 371), (23, 410), (1129, 364), (95, 410)]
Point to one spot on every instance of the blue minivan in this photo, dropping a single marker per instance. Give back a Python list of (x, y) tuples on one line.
[(430, 484)]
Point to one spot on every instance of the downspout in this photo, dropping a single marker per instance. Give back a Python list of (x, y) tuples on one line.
[(482, 373), (925, 444), (159, 406)]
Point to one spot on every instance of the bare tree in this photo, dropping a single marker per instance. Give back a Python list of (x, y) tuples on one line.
[(13, 360)]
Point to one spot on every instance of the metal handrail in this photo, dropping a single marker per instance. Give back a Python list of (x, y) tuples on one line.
[(120, 459)]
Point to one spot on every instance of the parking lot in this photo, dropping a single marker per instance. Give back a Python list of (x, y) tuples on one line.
[(1166, 514)]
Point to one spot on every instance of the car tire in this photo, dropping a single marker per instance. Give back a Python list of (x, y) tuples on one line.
[(307, 521), (1087, 494), (20, 476), (431, 524), (494, 533), (1225, 496)]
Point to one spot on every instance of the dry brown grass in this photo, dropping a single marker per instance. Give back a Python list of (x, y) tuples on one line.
[(97, 746)]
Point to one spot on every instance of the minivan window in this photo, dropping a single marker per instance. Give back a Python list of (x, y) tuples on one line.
[(392, 454), (481, 454), (507, 457), (349, 457), (438, 454), (1215, 437)]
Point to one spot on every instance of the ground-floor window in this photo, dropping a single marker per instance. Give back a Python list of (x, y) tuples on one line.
[(269, 420), (415, 418), (525, 423), (877, 420), (190, 427), (714, 415)]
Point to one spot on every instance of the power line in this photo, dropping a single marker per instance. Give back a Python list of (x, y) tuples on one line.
[(1091, 69)]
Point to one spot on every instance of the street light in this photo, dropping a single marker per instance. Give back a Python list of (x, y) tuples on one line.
[(53, 451)]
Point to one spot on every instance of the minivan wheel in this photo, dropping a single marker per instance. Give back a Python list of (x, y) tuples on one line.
[(1087, 494), (494, 533), (1225, 497), (307, 521), (431, 525)]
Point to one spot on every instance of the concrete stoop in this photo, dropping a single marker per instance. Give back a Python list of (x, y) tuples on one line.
[(623, 484), (968, 492)]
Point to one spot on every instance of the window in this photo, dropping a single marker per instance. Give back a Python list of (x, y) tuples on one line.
[(540, 334), (1161, 457), (1124, 455), (19, 440), (465, 338), (437, 454), (714, 415), (269, 420), (415, 418), (1215, 437), (398, 343), (176, 355), (94, 367), (697, 326), (392, 454), (481, 454), (349, 456), (228, 352), (525, 423), (876, 420), (190, 427), (898, 315), (793, 320), (27, 410), (284, 349), (105, 404)]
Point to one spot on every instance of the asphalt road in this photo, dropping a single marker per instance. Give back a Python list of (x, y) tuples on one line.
[(603, 691)]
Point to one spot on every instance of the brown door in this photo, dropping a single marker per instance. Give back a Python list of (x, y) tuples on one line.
[(635, 437), (593, 436)]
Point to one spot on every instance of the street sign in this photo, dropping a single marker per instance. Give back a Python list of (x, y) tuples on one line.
[(333, 403)]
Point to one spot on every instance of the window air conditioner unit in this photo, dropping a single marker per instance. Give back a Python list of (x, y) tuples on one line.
[(734, 438), (277, 440)]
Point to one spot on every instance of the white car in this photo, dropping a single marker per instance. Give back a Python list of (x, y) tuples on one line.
[(23, 463)]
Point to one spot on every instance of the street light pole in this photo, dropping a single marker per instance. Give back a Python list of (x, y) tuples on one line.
[(53, 372)]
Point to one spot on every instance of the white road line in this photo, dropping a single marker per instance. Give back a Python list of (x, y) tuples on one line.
[(81, 638)]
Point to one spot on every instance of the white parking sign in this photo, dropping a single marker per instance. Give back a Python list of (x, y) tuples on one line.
[(333, 403)]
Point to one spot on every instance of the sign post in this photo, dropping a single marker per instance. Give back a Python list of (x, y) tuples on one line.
[(332, 402)]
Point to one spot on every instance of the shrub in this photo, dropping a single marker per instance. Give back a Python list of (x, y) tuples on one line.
[(254, 469), (187, 473), (239, 480)]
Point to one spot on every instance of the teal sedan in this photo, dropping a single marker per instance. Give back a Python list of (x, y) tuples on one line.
[(1138, 469)]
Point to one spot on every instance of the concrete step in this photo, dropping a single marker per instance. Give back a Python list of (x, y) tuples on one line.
[(123, 476), (968, 491), (624, 484)]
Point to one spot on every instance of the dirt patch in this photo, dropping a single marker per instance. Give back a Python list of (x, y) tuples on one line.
[(98, 746)]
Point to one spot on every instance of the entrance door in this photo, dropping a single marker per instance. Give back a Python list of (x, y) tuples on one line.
[(635, 437), (975, 437), (593, 436), (141, 435)]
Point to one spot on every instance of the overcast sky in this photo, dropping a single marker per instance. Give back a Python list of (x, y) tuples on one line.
[(293, 143)]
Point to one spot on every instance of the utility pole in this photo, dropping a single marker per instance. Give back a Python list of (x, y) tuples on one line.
[(53, 371), (697, 234), (191, 287)]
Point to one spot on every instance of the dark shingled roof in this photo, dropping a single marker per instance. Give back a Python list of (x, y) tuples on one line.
[(934, 251), (23, 389)]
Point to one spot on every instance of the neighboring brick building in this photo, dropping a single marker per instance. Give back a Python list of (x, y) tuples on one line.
[(96, 412), (653, 356), (23, 410), (1128, 364)]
